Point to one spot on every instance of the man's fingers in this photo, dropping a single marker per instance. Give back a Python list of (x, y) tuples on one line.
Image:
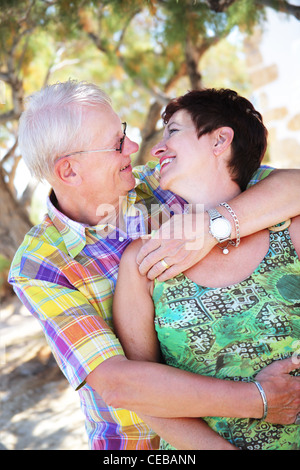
[(285, 365), (291, 364)]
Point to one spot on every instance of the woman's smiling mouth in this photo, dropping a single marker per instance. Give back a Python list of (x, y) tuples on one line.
[(165, 161)]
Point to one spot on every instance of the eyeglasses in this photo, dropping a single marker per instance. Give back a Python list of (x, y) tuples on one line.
[(119, 149)]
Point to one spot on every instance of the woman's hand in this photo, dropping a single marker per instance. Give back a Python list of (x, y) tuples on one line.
[(180, 243)]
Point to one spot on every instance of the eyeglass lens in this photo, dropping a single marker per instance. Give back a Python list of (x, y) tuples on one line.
[(123, 138)]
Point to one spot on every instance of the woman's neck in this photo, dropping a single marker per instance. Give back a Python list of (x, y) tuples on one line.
[(211, 195)]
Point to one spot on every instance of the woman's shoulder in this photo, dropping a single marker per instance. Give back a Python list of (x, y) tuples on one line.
[(129, 269), (132, 250)]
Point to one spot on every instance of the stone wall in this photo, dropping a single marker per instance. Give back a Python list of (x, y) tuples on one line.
[(276, 90)]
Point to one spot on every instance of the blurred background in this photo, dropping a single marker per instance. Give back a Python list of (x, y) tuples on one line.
[(142, 53)]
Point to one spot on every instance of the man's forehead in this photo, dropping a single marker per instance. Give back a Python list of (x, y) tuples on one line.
[(100, 110), (102, 115)]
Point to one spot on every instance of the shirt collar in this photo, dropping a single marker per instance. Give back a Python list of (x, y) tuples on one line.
[(140, 172), (72, 232), (131, 224)]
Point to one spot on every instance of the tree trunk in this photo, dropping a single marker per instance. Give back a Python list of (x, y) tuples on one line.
[(150, 135), (14, 222), (192, 61)]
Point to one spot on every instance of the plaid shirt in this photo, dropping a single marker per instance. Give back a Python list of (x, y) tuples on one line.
[(65, 274)]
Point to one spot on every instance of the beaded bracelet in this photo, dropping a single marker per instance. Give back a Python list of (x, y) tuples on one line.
[(236, 223), (264, 399)]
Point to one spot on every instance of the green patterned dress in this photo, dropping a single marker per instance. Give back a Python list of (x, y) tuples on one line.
[(233, 332)]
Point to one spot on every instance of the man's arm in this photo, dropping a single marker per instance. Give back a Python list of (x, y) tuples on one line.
[(68, 319), (149, 388), (77, 334), (161, 391), (271, 201), (188, 434)]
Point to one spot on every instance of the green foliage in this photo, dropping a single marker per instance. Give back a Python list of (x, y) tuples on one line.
[(245, 14), (133, 49), (4, 268), (187, 19), (224, 67)]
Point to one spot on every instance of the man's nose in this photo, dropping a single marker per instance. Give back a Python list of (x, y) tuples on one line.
[(129, 146)]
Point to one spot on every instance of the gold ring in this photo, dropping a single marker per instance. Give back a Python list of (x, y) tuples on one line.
[(165, 264)]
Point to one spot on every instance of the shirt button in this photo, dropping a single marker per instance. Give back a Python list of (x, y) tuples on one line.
[(121, 239)]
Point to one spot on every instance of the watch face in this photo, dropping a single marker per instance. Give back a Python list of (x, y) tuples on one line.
[(221, 228)]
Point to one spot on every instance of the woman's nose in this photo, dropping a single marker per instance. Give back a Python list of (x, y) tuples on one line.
[(158, 149)]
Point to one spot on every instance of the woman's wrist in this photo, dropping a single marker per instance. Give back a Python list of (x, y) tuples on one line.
[(244, 400), (264, 399), (254, 402)]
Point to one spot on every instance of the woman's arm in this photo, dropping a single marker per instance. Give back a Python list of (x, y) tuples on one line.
[(133, 310), (133, 314), (269, 202), (150, 388)]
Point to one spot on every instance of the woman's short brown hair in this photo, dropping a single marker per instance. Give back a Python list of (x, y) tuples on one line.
[(211, 109)]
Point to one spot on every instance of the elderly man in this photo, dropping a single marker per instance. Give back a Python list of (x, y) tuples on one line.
[(65, 270)]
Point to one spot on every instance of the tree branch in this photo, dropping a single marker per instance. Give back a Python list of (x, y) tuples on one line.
[(10, 152), (130, 18), (9, 116), (219, 5), (278, 5), (282, 6), (97, 41)]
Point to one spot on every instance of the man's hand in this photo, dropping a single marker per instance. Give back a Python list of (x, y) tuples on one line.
[(180, 243), (282, 391)]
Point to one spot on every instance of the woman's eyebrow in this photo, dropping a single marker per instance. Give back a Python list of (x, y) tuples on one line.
[(173, 122)]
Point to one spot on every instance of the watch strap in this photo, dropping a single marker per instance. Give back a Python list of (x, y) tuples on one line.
[(213, 215)]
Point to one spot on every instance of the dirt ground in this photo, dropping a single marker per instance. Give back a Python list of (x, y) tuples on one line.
[(39, 410)]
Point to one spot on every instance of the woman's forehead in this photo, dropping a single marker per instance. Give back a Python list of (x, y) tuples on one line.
[(181, 117)]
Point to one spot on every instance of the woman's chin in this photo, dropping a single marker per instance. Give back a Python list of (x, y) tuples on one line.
[(164, 184)]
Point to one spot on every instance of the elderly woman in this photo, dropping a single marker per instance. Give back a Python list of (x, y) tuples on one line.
[(237, 310)]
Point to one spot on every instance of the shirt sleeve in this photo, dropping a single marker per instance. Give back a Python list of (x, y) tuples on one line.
[(262, 172), (78, 336)]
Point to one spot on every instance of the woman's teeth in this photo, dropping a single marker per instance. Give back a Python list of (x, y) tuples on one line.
[(167, 160)]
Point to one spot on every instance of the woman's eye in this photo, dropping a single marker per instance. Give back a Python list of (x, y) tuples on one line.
[(171, 131)]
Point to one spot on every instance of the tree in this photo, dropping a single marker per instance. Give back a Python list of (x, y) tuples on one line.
[(142, 51)]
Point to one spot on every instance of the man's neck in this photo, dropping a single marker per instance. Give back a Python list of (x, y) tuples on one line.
[(87, 212)]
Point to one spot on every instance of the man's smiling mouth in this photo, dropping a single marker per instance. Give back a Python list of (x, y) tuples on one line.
[(125, 167)]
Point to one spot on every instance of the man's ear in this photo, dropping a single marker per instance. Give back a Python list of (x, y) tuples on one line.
[(223, 138), (67, 171)]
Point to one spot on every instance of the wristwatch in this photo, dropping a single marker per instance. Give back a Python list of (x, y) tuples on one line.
[(219, 227)]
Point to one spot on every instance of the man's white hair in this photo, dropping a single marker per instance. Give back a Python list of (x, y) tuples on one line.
[(50, 126)]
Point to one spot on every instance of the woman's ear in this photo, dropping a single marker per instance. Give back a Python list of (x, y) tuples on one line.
[(223, 138), (67, 171)]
